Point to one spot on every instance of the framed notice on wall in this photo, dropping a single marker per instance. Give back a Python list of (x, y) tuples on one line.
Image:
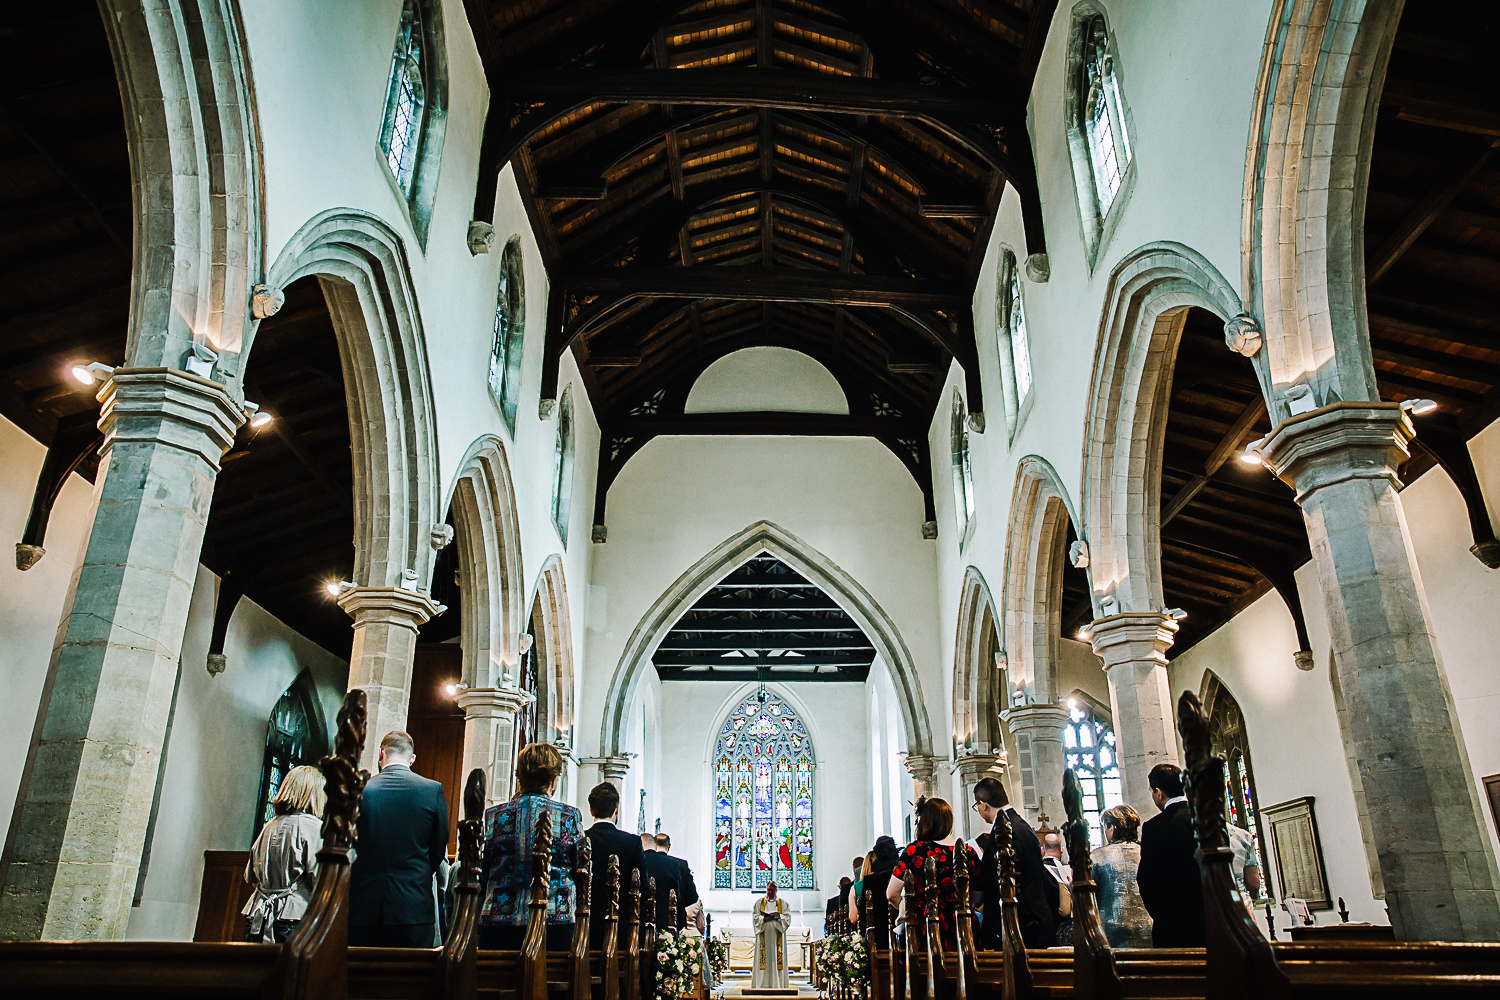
[(1299, 854)]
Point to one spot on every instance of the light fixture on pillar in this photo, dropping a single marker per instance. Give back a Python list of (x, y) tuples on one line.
[(337, 587), (1251, 454), (258, 418), (92, 372), (1418, 407), (452, 690), (1109, 605), (1300, 399), (1176, 614), (1084, 635), (200, 361)]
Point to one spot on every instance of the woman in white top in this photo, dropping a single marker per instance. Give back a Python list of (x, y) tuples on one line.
[(283, 864)]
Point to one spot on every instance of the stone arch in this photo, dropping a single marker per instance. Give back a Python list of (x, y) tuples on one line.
[(978, 688), (195, 179), (488, 535), (1148, 296), (552, 633), (765, 536), (1035, 547), (1306, 178), (362, 266)]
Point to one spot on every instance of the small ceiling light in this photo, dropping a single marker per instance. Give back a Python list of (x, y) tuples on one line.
[(1417, 407), (1251, 454), (258, 417), (90, 373), (451, 689), (337, 587), (1084, 635), (1176, 614)]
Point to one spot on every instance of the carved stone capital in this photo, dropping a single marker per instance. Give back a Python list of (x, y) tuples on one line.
[(1242, 335), (922, 766), (163, 406), (1337, 443), (972, 767), (1042, 722), (266, 301), (481, 238), (492, 703), (611, 769), (388, 606), (1133, 637)]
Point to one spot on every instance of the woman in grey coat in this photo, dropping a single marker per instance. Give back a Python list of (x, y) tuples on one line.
[(283, 864), (1126, 922)]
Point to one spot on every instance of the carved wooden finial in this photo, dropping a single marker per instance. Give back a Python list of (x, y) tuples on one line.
[(648, 905), (612, 883), (582, 873), (961, 878), (671, 909), (343, 781), (1205, 774), (1005, 853), (541, 859), (471, 829)]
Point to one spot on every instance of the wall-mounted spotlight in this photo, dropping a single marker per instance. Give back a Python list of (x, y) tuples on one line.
[(200, 361), (1176, 614), (452, 690), (1300, 399), (1084, 635), (258, 417), (1251, 454), (337, 587), (1417, 407), (92, 372)]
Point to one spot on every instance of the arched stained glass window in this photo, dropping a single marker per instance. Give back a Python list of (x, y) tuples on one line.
[(963, 469), (1227, 737), (763, 798), (1103, 114), (508, 345), (1089, 749), (406, 101), (562, 467), (293, 738)]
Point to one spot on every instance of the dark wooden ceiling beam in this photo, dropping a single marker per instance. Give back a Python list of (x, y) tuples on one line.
[(769, 285), (1425, 214), (747, 639), (768, 422), (1231, 442), (840, 675), (1437, 362)]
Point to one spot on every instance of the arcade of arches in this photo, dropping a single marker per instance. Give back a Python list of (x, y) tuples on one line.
[(786, 408)]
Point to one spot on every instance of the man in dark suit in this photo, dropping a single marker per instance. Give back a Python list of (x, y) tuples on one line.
[(403, 837), (1037, 892), (1169, 878), (608, 840), (688, 901), (656, 864)]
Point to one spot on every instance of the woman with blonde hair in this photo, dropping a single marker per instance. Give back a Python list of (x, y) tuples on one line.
[(283, 864), (506, 870), (1126, 922)]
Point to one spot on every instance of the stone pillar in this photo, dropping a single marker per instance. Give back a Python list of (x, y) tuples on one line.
[(1440, 875), (923, 768), (971, 768), (386, 620), (75, 843), (1134, 648), (1038, 731), (490, 736)]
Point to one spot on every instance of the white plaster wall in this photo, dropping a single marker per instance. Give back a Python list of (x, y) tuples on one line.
[(835, 718), (31, 602), (213, 765), (766, 378)]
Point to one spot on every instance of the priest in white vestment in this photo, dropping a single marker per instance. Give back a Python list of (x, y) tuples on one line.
[(771, 919)]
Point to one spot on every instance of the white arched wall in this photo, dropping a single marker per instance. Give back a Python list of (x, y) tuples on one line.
[(766, 378)]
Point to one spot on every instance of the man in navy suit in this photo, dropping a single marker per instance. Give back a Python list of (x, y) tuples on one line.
[(403, 837), (657, 865), (608, 840)]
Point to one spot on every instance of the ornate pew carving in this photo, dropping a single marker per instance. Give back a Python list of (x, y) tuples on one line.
[(578, 957), (534, 948), (461, 949), (1094, 974), (612, 932)]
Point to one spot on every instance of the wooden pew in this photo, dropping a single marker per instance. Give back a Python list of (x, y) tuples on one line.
[(310, 965), (1243, 964)]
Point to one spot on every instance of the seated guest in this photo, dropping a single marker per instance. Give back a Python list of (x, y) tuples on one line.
[(607, 840), (875, 876), (1037, 892), (836, 904), (1126, 922), (507, 866), (1169, 879), (657, 865), (402, 843), (1246, 865), (935, 841), (689, 905), (283, 863)]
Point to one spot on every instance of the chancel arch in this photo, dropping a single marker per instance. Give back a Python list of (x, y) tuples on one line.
[(765, 537)]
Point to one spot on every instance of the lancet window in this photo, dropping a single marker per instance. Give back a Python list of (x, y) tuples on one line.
[(509, 341), (1089, 749), (1103, 114), (292, 739), (562, 466), (406, 100), (963, 469), (763, 801)]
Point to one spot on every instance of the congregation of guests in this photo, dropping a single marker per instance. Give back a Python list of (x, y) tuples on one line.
[(1147, 875)]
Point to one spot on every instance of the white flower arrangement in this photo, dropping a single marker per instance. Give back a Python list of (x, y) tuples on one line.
[(679, 964), (843, 960)]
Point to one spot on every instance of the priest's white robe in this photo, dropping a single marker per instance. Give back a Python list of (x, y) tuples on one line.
[(771, 919)]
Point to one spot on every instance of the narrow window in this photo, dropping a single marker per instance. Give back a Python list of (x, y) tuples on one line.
[(1020, 346), (509, 340), (963, 470), (1012, 342), (562, 467), (1089, 749), (406, 101), (1103, 114)]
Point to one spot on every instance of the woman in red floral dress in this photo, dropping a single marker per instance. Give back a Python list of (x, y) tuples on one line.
[(935, 840)]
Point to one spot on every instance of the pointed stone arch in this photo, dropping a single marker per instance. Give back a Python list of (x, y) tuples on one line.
[(1306, 179), (552, 633), (765, 536), (488, 536), (362, 266), (195, 179), (978, 684), (1148, 297), (1035, 547)]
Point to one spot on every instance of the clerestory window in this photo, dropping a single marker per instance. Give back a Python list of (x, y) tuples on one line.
[(1012, 340), (411, 130), (1098, 122), (963, 469), (562, 467), (507, 347)]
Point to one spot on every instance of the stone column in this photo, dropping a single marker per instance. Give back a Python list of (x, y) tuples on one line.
[(1429, 830), (490, 736), (1134, 648), (386, 620), (1038, 731), (923, 768), (75, 842), (971, 768)]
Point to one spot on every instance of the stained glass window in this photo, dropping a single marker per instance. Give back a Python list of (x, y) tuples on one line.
[(1103, 114), (406, 101), (763, 800), (1228, 739), (292, 739), (507, 346), (1089, 749), (1012, 330)]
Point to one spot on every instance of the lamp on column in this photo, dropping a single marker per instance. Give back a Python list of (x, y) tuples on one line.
[(92, 372)]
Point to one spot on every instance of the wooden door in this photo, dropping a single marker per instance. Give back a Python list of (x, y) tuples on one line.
[(436, 724)]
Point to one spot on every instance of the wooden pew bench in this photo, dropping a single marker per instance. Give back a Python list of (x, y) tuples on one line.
[(1388, 970), (89, 970)]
